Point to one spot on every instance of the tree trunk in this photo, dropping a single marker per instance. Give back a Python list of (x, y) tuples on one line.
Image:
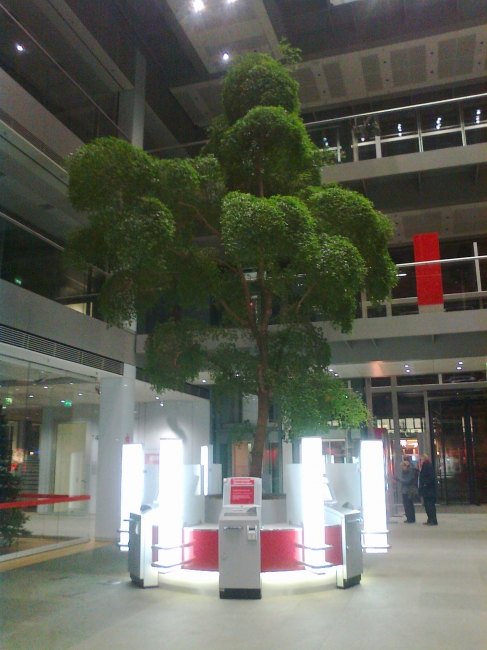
[(260, 434)]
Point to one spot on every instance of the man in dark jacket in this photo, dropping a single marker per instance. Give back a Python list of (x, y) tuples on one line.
[(427, 489)]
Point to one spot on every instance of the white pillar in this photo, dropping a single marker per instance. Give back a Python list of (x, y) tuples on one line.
[(132, 105), (117, 405), (47, 450)]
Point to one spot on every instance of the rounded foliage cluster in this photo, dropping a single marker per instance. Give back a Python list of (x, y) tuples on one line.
[(258, 80)]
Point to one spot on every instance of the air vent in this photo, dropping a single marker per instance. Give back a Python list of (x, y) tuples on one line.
[(408, 66), (308, 91), (371, 73), (20, 339), (456, 57), (30, 137), (334, 79)]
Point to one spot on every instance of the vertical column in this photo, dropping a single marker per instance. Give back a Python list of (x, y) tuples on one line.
[(397, 435), (132, 105), (429, 284), (47, 446), (117, 405)]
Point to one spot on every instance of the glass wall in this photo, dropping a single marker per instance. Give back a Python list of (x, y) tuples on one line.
[(37, 265), (51, 419)]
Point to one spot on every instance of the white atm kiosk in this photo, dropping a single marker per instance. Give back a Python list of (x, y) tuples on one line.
[(239, 538)]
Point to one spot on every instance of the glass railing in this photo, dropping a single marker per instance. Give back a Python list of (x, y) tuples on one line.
[(86, 110), (464, 281), (51, 521), (413, 129), (35, 263)]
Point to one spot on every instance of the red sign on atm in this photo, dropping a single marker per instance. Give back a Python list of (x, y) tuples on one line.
[(241, 491)]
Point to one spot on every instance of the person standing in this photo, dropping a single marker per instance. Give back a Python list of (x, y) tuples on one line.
[(409, 490), (427, 489)]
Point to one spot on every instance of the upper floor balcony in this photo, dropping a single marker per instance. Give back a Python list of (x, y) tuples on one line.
[(424, 137)]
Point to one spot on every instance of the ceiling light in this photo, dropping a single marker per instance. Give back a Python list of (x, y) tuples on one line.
[(459, 368), (407, 370), (62, 401), (401, 275), (225, 56), (157, 397), (198, 5), (406, 365), (19, 47), (79, 394), (162, 403), (203, 381), (46, 386), (31, 395), (460, 363), (336, 374)]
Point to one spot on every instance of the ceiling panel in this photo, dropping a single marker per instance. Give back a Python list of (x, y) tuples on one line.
[(233, 27), (368, 74)]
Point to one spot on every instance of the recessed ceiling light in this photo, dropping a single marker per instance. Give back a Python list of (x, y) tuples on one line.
[(406, 365), (225, 56), (19, 47), (460, 363), (80, 394), (162, 403), (336, 374), (31, 395), (157, 397), (407, 370), (46, 386), (198, 5), (203, 381), (62, 401)]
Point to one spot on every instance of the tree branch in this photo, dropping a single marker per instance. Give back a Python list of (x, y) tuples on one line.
[(201, 218), (234, 315)]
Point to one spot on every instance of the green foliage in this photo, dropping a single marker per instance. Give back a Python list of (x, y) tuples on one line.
[(248, 226), (290, 55), (258, 80), (268, 152), (175, 354), (339, 211), (12, 520)]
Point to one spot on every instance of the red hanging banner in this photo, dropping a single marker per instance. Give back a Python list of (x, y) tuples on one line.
[(429, 284)]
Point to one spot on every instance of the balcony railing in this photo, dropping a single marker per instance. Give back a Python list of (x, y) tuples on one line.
[(464, 287), (396, 131)]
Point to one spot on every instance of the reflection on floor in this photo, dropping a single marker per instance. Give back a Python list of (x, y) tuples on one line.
[(429, 592)]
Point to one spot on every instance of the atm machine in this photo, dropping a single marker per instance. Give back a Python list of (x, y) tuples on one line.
[(239, 538), (141, 571), (343, 489)]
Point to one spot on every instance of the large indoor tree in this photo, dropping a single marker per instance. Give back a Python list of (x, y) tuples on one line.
[(248, 229)]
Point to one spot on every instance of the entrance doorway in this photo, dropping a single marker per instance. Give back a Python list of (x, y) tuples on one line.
[(459, 445)]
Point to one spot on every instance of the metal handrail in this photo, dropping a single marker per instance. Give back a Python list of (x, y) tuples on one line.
[(67, 75), (387, 111)]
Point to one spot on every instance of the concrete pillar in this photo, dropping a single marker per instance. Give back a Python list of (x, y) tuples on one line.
[(131, 113), (47, 450), (117, 405)]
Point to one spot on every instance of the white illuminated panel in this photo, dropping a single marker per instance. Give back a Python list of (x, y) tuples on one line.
[(132, 487), (171, 478), (205, 462), (312, 494), (374, 533)]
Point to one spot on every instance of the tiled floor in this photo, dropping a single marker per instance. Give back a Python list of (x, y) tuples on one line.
[(428, 592)]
